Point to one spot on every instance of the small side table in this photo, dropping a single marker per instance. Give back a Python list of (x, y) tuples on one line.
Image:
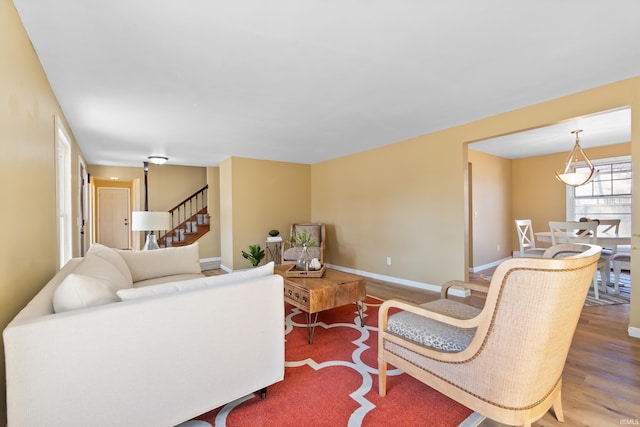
[(274, 249)]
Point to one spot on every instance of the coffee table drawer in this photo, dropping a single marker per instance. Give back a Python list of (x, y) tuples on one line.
[(296, 296)]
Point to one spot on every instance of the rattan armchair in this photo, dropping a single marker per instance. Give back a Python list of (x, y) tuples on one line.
[(291, 250), (505, 360)]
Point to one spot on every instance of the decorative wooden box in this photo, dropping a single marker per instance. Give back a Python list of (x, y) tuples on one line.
[(292, 272)]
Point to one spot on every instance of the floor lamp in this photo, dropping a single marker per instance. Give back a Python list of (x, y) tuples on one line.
[(150, 221)]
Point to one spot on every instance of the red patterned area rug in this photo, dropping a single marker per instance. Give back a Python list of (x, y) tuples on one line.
[(334, 382)]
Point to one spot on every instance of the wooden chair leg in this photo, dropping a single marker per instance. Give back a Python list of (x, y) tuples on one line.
[(557, 408), (382, 377)]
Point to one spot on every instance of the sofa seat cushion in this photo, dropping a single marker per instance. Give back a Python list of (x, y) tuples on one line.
[(94, 281), (194, 284), (432, 333), (162, 262)]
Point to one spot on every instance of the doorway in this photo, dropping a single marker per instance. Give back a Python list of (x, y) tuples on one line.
[(113, 217)]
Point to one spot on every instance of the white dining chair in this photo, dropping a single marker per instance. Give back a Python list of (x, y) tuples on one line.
[(621, 261), (527, 240), (582, 232)]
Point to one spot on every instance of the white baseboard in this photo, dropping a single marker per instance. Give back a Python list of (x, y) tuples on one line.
[(459, 292), (456, 291), (486, 266), (210, 263), (634, 332)]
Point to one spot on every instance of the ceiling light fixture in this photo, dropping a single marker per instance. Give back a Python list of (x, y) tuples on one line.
[(578, 169), (158, 160)]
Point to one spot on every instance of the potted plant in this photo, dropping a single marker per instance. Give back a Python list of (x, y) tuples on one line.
[(302, 238), (255, 254), (274, 233)]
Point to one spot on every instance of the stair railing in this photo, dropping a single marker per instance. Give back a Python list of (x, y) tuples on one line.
[(186, 215)]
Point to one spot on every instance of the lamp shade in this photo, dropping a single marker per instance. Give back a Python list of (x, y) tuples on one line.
[(578, 169), (150, 220)]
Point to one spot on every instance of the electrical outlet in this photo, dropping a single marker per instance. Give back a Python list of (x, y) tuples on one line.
[(498, 248), (388, 260)]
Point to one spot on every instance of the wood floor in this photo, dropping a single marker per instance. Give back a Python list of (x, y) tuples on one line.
[(601, 379)]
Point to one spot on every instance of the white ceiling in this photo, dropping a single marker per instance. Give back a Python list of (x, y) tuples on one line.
[(309, 80), (604, 128)]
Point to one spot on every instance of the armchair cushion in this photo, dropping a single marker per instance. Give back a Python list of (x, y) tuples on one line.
[(432, 333), (313, 231), (293, 254)]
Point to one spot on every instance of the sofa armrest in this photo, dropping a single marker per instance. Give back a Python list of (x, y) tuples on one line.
[(154, 361)]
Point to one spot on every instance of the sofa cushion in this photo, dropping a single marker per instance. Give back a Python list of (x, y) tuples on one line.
[(167, 279), (78, 291), (86, 287), (195, 284), (98, 267), (113, 257), (162, 262)]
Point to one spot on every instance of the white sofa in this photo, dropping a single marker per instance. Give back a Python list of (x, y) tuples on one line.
[(117, 353)]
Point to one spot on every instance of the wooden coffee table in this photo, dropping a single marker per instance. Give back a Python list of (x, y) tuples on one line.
[(313, 295)]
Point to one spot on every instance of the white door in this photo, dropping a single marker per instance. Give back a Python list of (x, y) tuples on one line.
[(113, 217)]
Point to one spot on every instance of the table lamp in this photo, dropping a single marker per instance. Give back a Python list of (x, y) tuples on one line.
[(150, 221)]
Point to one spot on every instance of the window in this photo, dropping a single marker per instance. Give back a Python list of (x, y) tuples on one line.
[(608, 196), (63, 193)]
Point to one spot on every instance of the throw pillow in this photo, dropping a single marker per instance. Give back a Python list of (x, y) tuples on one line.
[(113, 257), (162, 262), (77, 291), (98, 267)]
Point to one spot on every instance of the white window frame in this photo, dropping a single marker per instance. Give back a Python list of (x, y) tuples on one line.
[(63, 193), (570, 199)]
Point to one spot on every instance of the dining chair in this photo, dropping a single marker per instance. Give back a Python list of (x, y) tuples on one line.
[(608, 225), (504, 360), (582, 232), (621, 261), (527, 240)]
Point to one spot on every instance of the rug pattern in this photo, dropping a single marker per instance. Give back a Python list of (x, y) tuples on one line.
[(334, 382)]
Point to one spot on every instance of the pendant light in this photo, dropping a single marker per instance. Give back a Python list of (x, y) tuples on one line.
[(578, 169)]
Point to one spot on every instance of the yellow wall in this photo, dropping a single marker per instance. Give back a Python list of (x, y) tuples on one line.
[(491, 229), (407, 200), (27, 172), (170, 185), (210, 242), (255, 197), (538, 195)]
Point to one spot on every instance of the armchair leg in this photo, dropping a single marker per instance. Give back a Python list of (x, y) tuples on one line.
[(557, 408), (382, 377), (263, 393)]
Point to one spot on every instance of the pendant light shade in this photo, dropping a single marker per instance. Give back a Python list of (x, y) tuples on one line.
[(578, 169)]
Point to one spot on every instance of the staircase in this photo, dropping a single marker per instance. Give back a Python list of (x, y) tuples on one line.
[(189, 220)]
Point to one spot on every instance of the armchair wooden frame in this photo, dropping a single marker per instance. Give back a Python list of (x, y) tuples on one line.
[(511, 371)]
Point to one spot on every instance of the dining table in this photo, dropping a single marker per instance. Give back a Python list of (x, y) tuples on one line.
[(606, 239)]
